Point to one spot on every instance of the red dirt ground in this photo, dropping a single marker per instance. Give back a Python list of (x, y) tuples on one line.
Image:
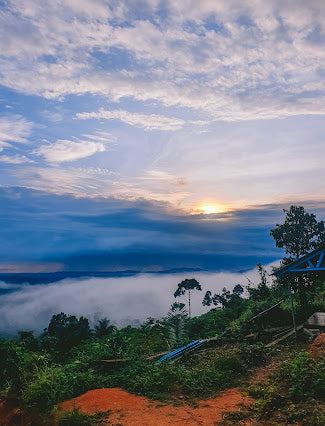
[(317, 348), (131, 410), (7, 414)]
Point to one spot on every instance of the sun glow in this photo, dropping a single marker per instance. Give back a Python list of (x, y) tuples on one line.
[(211, 208)]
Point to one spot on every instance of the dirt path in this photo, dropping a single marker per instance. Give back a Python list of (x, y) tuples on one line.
[(130, 410)]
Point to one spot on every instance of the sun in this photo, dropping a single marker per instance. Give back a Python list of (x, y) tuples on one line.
[(209, 209), (212, 208)]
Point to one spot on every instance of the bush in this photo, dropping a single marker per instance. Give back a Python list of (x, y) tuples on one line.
[(201, 379), (57, 383), (151, 380), (47, 388), (306, 376), (208, 378), (18, 365), (293, 389)]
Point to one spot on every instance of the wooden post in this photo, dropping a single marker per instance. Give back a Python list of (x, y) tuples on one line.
[(292, 311)]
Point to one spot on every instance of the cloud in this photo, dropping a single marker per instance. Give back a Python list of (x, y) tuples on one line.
[(14, 129), (3, 145), (106, 233), (233, 61), (145, 121), (29, 267), (72, 150), (80, 181), (164, 66), (15, 159), (123, 300)]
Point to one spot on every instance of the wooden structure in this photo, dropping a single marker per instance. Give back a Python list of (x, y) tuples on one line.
[(314, 325)]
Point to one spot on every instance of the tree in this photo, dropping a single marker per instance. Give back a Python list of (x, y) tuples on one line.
[(207, 299), (298, 235), (227, 299), (28, 340), (262, 291), (187, 285), (222, 299), (175, 322), (65, 331), (103, 328)]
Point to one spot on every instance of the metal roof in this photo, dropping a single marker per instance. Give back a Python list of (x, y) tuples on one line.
[(311, 262)]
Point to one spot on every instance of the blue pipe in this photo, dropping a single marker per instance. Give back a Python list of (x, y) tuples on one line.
[(181, 350)]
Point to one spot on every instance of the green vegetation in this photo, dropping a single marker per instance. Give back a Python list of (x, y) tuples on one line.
[(65, 360), (293, 392), (76, 418)]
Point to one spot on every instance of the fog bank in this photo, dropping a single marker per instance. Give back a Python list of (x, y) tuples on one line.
[(127, 300)]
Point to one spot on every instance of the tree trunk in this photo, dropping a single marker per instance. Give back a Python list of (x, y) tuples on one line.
[(189, 303)]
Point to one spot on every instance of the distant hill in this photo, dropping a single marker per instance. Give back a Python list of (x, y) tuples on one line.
[(51, 277)]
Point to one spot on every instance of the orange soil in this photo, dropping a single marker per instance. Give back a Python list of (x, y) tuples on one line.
[(317, 348), (6, 413), (130, 410)]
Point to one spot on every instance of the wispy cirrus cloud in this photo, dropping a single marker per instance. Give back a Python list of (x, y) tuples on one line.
[(71, 150), (3, 145), (145, 121), (14, 128), (96, 181), (15, 159)]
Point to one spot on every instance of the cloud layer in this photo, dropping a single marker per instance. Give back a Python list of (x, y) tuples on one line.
[(109, 234), (233, 60), (123, 300)]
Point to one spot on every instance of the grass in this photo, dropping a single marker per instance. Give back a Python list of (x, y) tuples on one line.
[(77, 418)]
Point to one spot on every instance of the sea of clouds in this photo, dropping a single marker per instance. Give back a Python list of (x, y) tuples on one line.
[(127, 300)]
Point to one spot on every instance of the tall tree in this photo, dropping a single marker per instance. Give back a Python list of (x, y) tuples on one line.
[(299, 234), (187, 285)]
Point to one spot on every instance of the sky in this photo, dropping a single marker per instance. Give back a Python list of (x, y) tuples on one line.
[(153, 134)]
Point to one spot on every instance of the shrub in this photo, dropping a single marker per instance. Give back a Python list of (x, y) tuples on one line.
[(306, 377), (293, 389), (56, 383), (196, 379), (46, 389), (209, 377)]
